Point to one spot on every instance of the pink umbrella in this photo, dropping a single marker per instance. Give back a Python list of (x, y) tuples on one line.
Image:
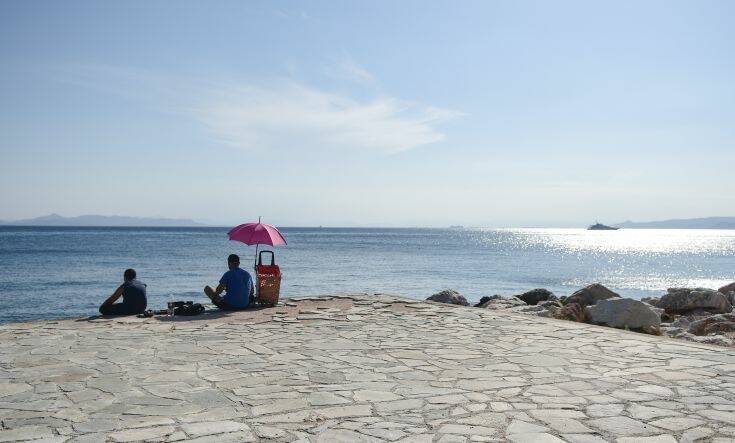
[(257, 234)]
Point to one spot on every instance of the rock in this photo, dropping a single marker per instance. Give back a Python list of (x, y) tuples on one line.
[(730, 296), (713, 325), (668, 318), (727, 288), (673, 332), (486, 299), (572, 312), (551, 303), (449, 296), (661, 313), (720, 340), (681, 322), (534, 296), (531, 310), (699, 312), (502, 303), (624, 313), (549, 308), (550, 312), (653, 301), (590, 295), (544, 309), (684, 300)]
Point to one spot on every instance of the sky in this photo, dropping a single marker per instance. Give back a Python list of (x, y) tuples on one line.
[(382, 113)]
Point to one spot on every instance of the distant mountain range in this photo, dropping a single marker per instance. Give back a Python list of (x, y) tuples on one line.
[(102, 220), (121, 221), (688, 223)]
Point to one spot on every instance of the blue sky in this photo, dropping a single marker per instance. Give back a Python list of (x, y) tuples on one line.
[(368, 113)]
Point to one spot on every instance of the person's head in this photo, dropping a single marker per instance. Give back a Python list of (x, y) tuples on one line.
[(129, 274), (233, 261)]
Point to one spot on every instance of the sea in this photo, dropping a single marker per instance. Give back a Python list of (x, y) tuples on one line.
[(62, 272)]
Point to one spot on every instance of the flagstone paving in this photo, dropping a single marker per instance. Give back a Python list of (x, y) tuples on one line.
[(358, 369)]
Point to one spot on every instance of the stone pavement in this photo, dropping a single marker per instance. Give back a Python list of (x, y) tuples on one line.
[(358, 369)]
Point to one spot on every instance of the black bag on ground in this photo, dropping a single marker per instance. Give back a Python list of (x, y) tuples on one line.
[(188, 308)]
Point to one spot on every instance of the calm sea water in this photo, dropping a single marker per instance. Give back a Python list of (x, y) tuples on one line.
[(67, 272)]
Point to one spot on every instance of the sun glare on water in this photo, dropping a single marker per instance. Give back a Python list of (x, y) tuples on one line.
[(634, 259), (634, 241)]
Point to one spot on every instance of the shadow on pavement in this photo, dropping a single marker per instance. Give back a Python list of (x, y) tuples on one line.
[(209, 314), (212, 313)]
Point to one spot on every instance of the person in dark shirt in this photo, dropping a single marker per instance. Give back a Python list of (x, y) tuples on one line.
[(133, 293), (238, 285)]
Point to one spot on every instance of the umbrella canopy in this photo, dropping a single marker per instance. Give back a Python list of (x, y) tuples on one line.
[(257, 234)]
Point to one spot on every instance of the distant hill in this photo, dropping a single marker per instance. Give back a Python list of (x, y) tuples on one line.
[(688, 223), (102, 220)]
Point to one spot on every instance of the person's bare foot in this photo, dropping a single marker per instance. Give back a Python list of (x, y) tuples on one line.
[(213, 296)]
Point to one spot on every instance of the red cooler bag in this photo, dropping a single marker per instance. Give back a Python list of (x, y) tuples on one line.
[(268, 280)]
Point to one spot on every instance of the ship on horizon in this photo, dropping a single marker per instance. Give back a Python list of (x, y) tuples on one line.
[(600, 227)]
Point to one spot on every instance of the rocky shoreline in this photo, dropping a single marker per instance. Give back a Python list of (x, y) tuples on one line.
[(700, 315)]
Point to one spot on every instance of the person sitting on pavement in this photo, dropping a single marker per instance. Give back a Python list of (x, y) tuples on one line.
[(133, 293), (237, 284)]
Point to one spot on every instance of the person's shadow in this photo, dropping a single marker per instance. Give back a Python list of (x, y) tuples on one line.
[(97, 317), (211, 313)]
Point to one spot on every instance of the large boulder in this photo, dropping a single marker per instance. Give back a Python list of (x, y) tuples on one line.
[(716, 324), (624, 313), (534, 296), (590, 295), (727, 288), (449, 296), (685, 300)]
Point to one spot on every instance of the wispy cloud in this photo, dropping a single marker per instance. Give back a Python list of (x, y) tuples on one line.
[(350, 70), (282, 114), (291, 115)]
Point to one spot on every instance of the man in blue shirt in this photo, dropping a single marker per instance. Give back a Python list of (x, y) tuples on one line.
[(237, 284), (133, 293)]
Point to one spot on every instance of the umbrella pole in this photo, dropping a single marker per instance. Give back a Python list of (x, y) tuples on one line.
[(255, 271)]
